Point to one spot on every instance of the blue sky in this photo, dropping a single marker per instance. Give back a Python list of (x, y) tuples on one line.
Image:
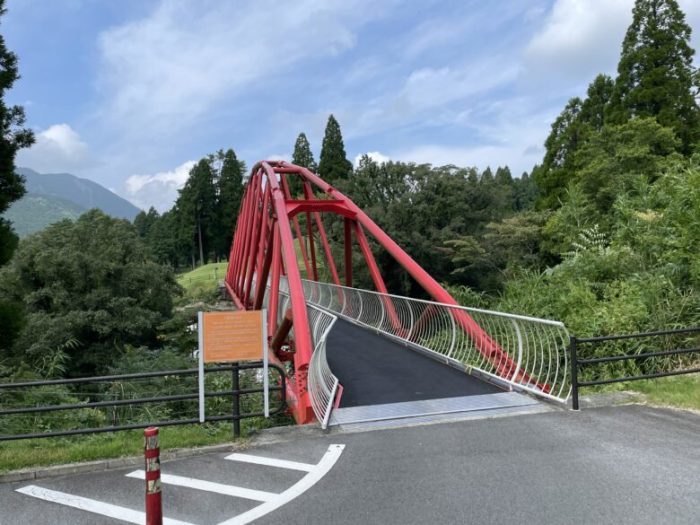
[(131, 93)]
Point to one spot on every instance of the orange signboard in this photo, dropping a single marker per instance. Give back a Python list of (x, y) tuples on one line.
[(232, 336)]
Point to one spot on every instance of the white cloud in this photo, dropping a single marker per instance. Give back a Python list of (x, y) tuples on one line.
[(510, 133), (158, 190), (57, 148), (519, 159), (161, 72), (581, 38), (437, 96), (377, 157), (428, 87), (279, 156)]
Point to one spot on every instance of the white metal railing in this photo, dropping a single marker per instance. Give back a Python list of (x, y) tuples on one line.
[(322, 384), (534, 351)]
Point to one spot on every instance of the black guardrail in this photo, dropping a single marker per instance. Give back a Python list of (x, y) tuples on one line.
[(577, 363), (236, 393)]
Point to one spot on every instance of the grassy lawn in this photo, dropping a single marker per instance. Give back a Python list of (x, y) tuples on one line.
[(203, 281), (29, 453), (677, 391)]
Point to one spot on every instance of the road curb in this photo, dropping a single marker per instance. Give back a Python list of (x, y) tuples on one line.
[(114, 463)]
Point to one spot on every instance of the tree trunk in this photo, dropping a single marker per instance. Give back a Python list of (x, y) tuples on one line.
[(199, 236)]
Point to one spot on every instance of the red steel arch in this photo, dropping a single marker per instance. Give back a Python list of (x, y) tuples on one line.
[(263, 250)]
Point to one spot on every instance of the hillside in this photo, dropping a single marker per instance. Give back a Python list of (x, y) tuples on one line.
[(83, 192), (35, 212), (55, 196)]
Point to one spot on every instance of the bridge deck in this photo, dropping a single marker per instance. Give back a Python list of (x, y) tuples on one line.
[(375, 370)]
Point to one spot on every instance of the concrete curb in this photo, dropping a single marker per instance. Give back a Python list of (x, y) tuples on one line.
[(115, 463)]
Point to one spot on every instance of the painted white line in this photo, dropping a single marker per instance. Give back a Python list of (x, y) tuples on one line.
[(209, 486), (271, 462), (309, 480), (91, 505)]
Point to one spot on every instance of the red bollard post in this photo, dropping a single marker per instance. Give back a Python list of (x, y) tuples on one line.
[(154, 505)]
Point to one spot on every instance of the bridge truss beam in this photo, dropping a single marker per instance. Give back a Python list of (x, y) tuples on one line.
[(269, 243)]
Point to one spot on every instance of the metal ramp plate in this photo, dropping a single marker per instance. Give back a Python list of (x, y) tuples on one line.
[(433, 410)]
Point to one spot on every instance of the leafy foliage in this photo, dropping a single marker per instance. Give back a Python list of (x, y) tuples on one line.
[(427, 209), (92, 282)]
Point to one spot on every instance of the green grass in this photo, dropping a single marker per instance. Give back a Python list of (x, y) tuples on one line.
[(203, 281), (29, 453), (675, 391)]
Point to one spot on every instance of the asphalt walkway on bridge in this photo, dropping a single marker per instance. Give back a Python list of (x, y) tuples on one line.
[(375, 369), (386, 384)]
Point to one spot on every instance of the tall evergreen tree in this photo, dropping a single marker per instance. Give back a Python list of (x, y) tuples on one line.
[(230, 192), (302, 153), (144, 221), (558, 164), (13, 137), (597, 103), (302, 157), (655, 73), (196, 207), (503, 176), (333, 165), (486, 176), (524, 193)]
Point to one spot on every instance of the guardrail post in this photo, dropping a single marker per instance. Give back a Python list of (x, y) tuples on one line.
[(154, 504), (574, 373), (236, 400)]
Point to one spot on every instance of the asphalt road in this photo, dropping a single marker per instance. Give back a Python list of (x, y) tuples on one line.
[(630, 464)]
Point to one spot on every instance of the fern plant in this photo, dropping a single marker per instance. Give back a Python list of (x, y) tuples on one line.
[(589, 240)]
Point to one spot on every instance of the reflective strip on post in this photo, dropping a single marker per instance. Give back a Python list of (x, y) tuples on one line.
[(154, 505)]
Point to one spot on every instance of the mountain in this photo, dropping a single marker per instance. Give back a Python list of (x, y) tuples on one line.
[(82, 192), (34, 212), (51, 197)]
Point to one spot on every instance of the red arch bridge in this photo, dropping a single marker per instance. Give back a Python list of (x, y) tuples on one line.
[(355, 355)]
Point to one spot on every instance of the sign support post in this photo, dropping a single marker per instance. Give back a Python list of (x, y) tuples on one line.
[(201, 367), (266, 378)]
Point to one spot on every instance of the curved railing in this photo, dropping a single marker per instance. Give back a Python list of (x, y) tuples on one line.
[(322, 384), (529, 354)]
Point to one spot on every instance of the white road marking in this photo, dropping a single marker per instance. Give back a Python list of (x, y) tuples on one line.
[(271, 462), (91, 505), (209, 486), (309, 480)]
